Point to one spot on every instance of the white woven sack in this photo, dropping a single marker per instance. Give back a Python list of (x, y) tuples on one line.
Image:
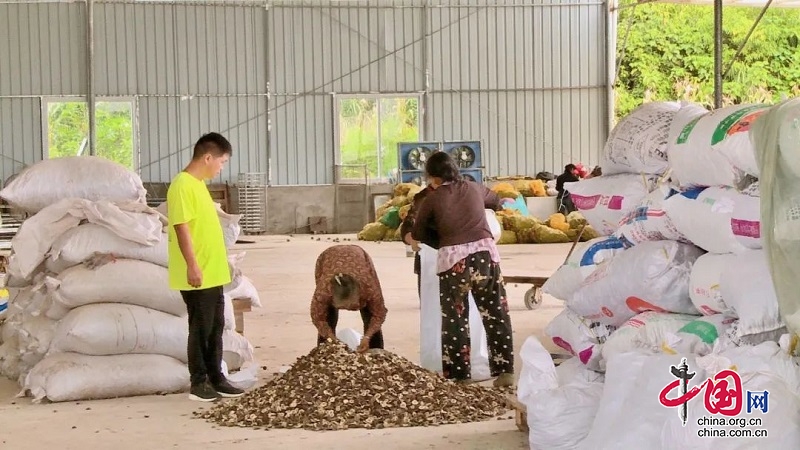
[(122, 281), (648, 221), (580, 337), (79, 243), (561, 402), (703, 217), (747, 287), (87, 177), (704, 283), (583, 261), (114, 329), (605, 200), (713, 148), (236, 350), (638, 143), (644, 332), (697, 337), (70, 377), (746, 218), (652, 276), (242, 287)]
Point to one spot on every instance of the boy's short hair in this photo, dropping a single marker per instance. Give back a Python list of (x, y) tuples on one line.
[(213, 143)]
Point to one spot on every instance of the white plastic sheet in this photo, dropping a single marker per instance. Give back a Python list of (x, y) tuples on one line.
[(431, 323), (777, 140)]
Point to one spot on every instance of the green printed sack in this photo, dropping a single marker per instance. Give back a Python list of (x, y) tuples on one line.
[(713, 148)]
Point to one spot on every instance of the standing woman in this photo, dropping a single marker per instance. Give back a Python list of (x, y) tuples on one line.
[(453, 214)]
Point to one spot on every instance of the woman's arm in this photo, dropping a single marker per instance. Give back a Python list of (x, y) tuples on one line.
[(421, 231)]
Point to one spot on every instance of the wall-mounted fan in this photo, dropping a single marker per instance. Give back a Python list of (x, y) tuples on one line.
[(475, 175), (418, 156), (413, 155), (415, 177), (464, 156), (467, 154)]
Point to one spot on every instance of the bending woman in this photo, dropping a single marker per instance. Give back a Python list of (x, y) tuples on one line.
[(468, 261)]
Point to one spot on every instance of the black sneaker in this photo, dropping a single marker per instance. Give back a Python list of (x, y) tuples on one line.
[(203, 393), (224, 389)]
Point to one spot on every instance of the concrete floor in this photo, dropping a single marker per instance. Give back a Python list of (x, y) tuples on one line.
[(282, 269)]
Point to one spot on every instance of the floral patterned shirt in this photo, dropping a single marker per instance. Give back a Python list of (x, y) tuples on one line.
[(347, 260)]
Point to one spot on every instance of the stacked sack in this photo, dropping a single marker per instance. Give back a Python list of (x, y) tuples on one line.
[(391, 215), (675, 249), (679, 272), (89, 288)]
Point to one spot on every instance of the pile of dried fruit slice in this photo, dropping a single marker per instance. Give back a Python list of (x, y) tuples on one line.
[(333, 388)]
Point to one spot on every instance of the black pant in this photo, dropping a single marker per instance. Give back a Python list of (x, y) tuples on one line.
[(206, 308), (565, 204), (333, 318), (476, 273)]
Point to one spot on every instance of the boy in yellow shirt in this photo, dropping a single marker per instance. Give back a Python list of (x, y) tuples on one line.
[(198, 265)]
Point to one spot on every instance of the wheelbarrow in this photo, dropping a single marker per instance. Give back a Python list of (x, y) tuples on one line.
[(533, 296)]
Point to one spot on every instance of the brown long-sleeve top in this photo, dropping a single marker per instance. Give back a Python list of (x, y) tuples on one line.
[(408, 222), (347, 260), (454, 214)]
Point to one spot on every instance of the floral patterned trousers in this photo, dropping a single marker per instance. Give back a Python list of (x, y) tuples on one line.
[(480, 275)]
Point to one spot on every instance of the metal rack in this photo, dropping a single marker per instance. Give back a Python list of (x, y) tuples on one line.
[(252, 189)]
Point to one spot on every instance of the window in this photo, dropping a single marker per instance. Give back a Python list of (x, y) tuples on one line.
[(369, 128), (66, 129)]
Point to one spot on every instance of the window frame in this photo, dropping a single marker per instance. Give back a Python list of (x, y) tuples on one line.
[(133, 100), (337, 100)]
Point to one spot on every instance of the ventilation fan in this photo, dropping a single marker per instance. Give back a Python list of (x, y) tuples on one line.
[(415, 177), (412, 155), (464, 156), (417, 156), (475, 175)]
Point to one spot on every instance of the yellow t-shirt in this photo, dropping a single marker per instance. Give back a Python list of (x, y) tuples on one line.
[(188, 201)]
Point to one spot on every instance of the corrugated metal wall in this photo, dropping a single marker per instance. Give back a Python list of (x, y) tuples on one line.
[(532, 87), (526, 77), (42, 52), (190, 69), (210, 76)]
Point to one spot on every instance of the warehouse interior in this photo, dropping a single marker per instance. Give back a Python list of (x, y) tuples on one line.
[(644, 260), (527, 80)]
